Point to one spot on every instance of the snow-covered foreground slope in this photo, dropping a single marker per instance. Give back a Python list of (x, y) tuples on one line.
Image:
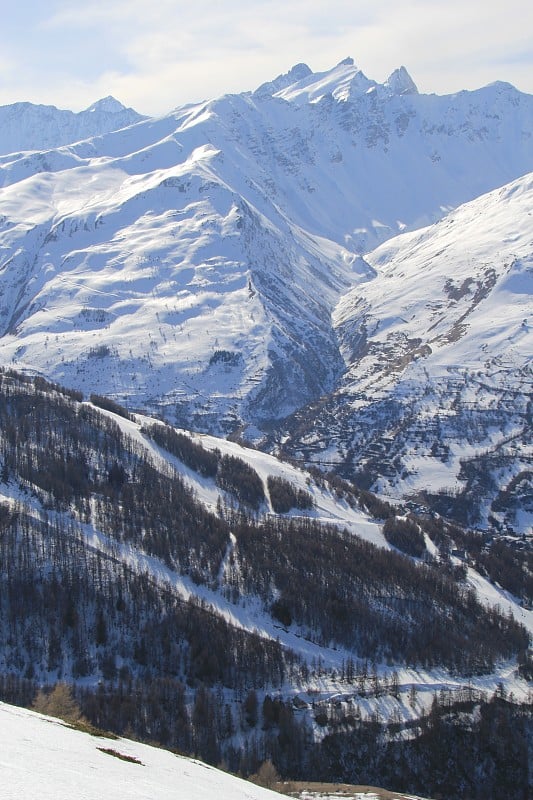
[(42, 757), (438, 349), (193, 262)]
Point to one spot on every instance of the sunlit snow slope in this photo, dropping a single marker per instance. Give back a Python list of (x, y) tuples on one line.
[(42, 757)]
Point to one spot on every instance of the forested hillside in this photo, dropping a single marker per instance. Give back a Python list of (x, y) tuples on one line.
[(116, 578)]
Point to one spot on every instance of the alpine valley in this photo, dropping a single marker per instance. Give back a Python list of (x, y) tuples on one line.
[(265, 429)]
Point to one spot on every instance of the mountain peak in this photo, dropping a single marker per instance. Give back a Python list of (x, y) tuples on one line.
[(400, 82), (108, 105), (297, 73), (301, 85)]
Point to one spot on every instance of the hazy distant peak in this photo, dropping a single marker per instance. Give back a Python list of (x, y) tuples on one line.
[(26, 126), (400, 82), (502, 86), (297, 73), (108, 104)]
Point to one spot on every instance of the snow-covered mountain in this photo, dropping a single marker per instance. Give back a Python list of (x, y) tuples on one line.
[(204, 264), (26, 126), (438, 341)]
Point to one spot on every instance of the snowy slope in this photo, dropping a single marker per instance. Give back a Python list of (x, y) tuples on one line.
[(438, 350), (193, 262), (43, 757), (25, 126), (162, 272), (460, 291)]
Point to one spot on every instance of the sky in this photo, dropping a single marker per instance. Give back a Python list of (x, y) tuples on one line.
[(157, 55)]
